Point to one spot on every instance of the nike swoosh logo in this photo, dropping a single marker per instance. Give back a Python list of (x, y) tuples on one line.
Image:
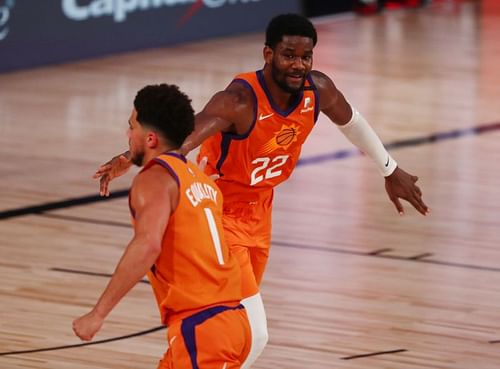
[(387, 164), (261, 117)]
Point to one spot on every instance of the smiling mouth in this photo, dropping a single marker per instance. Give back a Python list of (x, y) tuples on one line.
[(296, 78)]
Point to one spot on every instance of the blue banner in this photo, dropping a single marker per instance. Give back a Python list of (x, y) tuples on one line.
[(38, 32)]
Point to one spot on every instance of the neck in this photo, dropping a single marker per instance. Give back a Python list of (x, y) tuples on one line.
[(280, 97), (153, 153)]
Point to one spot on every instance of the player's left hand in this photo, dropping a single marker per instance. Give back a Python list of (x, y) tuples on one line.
[(202, 164), (87, 325), (402, 185), (117, 166)]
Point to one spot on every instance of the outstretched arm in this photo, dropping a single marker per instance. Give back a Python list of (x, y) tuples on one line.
[(398, 183), (212, 119), (116, 167), (153, 195), (230, 110)]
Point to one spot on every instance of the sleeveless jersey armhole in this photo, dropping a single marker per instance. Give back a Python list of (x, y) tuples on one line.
[(316, 97)]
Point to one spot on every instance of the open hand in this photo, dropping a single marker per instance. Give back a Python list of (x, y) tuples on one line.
[(402, 185), (116, 167), (202, 164)]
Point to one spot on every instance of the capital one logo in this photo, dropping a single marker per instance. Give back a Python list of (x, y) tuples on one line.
[(119, 9), (4, 17)]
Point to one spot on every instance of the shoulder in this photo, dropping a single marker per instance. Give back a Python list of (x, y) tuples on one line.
[(155, 171), (153, 183), (154, 196), (237, 96), (327, 91), (322, 81), (331, 100), (236, 104)]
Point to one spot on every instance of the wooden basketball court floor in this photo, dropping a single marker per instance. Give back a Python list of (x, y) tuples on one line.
[(350, 283)]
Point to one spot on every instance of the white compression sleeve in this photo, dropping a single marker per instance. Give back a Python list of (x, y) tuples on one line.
[(258, 325), (359, 132)]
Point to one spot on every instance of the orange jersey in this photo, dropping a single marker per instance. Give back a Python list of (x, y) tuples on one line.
[(195, 269), (266, 155)]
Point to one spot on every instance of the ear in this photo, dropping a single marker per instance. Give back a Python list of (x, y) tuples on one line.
[(151, 140), (268, 54)]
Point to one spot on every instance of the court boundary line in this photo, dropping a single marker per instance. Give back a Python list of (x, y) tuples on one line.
[(373, 354), (85, 272), (380, 254), (314, 159), (420, 258), (55, 348)]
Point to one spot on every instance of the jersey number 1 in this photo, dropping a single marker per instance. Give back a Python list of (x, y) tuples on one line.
[(214, 232)]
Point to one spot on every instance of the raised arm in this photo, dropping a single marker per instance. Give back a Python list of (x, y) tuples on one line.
[(398, 183), (230, 110), (154, 195)]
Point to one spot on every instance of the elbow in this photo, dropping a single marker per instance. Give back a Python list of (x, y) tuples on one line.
[(146, 247), (150, 248), (153, 249)]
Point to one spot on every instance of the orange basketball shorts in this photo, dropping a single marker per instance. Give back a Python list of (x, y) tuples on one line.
[(247, 230), (215, 338)]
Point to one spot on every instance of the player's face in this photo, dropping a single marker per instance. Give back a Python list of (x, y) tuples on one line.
[(136, 139), (291, 62)]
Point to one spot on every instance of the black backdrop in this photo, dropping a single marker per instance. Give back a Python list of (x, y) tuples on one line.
[(314, 8)]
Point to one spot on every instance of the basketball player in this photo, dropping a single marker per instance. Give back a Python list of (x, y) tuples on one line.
[(178, 241), (251, 136)]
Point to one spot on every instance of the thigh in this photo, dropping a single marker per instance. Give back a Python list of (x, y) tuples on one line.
[(248, 227), (177, 356), (250, 246), (223, 341), (249, 286), (258, 259)]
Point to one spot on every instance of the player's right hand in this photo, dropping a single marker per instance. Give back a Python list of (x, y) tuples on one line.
[(116, 167), (86, 326)]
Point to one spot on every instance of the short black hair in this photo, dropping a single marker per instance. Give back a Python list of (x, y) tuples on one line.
[(290, 25), (167, 110)]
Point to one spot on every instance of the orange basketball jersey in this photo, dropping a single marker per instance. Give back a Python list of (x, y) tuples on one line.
[(195, 269), (266, 155)]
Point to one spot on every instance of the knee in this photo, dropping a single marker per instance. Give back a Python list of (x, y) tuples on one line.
[(262, 339), (257, 319), (260, 335)]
